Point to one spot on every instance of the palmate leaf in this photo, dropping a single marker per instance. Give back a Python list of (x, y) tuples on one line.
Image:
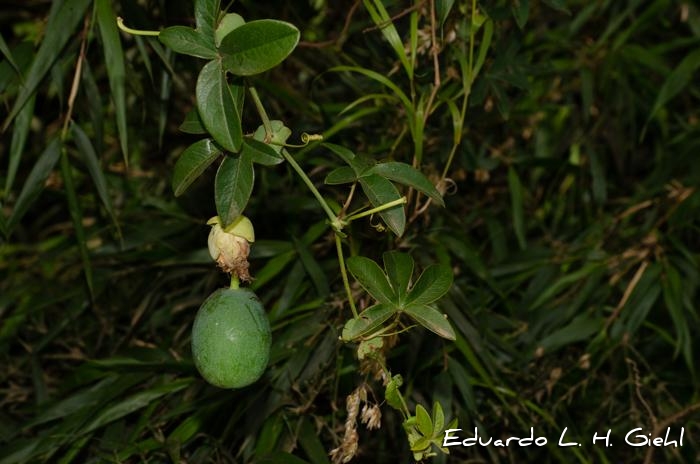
[(431, 319), (261, 153), (257, 46), (407, 175), (359, 164), (399, 268), (380, 191), (369, 321), (433, 283), (341, 175), (372, 279)]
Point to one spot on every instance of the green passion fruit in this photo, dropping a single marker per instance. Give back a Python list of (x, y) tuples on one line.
[(231, 338)]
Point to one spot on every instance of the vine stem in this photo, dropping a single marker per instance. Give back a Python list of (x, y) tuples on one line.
[(391, 204), (335, 222), (261, 111), (344, 274)]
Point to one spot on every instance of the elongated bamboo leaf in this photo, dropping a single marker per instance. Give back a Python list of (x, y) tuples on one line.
[(76, 215), (59, 30), (35, 182), (114, 61)]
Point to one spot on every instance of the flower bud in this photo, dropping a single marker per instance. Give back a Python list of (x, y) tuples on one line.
[(230, 247)]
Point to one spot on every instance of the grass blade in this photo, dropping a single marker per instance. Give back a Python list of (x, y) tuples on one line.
[(59, 30), (114, 60)]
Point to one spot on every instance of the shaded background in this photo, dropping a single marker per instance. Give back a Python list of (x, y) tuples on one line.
[(571, 225)]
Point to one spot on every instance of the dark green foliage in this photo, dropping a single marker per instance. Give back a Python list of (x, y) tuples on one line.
[(562, 140)]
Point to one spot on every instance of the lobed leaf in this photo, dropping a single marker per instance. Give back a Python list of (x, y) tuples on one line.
[(408, 175), (432, 284), (260, 152), (372, 279), (368, 321), (431, 319), (380, 191), (341, 175), (399, 268)]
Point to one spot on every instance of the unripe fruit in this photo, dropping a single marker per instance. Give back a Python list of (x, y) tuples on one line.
[(231, 338)]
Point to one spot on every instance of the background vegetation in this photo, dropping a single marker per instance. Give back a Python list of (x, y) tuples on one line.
[(571, 224)]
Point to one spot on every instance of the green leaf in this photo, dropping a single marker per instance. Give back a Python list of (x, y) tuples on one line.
[(432, 284), (399, 268), (425, 425), (134, 402), (438, 419), (217, 108), (380, 191), (5, 50), (187, 41), (559, 5), (114, 63), (260, 152), (313, 269), (192, 163), (382, 79), (520, 10), (384, 22), (60, 28), (20, 132), (233, 186), (368, 321), (392, 395), (3, 223), (206, 13), (443, 8), (408, 175), (35, 181), (89, 157), (359, 164), (227, 24), (341, 175), (431, 319), (672, 286), (76, 215), (516, 199), (193, 123), (311, 444), (372, 279), (676, 81), (280, 134), (579, 329), (258, 46)]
